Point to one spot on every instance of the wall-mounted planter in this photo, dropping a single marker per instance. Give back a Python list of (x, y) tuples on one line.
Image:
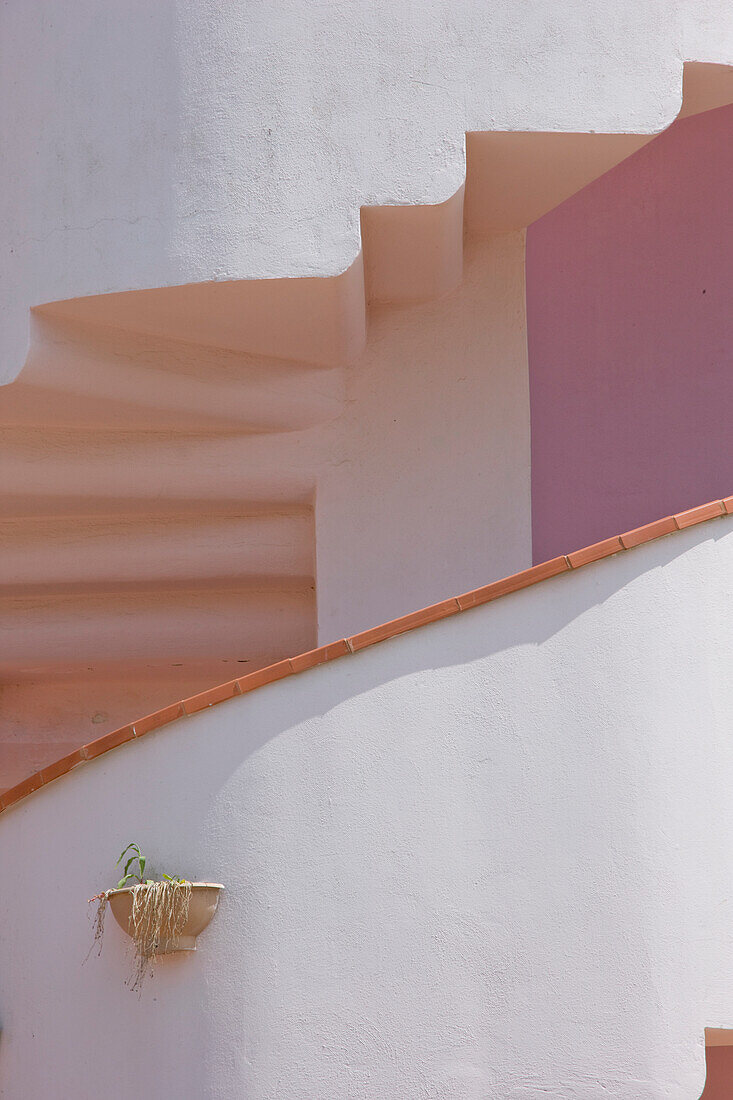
[(202, 906)]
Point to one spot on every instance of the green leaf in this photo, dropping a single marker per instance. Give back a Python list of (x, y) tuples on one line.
[(129, 847)]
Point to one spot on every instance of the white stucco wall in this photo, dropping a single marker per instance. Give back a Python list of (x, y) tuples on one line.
[(490, 858), (707, 30), (149, 145)]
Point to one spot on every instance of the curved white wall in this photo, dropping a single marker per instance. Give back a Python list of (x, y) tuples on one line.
[(151, 145), (490, 858)]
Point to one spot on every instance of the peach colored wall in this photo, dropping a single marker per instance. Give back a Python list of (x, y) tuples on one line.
[(630, 333), (425, 488)]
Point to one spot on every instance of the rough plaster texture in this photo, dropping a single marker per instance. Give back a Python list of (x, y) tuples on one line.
[(629, 328), (707, 30), (488, 859), (151, 145)]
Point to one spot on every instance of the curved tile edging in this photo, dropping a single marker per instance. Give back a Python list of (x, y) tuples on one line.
[(345, 646)]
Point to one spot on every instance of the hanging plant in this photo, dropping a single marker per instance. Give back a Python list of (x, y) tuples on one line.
[(161, 916)]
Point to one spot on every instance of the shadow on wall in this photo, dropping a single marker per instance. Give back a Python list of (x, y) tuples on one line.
[(508, 631)]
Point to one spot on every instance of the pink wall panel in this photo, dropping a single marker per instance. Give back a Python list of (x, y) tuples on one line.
[(630, 329), (719, 1082)]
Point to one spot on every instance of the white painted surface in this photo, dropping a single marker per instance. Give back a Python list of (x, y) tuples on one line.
[(707, 30), (488, 859), (153, 144)]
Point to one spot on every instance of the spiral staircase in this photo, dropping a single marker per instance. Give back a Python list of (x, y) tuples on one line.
[(162, 451)]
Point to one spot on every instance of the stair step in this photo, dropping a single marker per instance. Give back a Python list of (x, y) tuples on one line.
[(256, 621), (81, 375), (318, 320), (412, 253), (53, 471), (43, 553)]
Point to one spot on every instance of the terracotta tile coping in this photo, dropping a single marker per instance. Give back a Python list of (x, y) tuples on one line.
[(345, 646)]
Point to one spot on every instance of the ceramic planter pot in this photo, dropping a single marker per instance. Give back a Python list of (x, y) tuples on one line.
[(204, 900)]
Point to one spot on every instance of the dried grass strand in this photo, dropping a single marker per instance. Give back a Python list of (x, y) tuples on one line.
[(159, 914), (101, 900)]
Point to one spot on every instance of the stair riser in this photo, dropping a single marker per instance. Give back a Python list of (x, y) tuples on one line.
[(243, 624), (97, 552)]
